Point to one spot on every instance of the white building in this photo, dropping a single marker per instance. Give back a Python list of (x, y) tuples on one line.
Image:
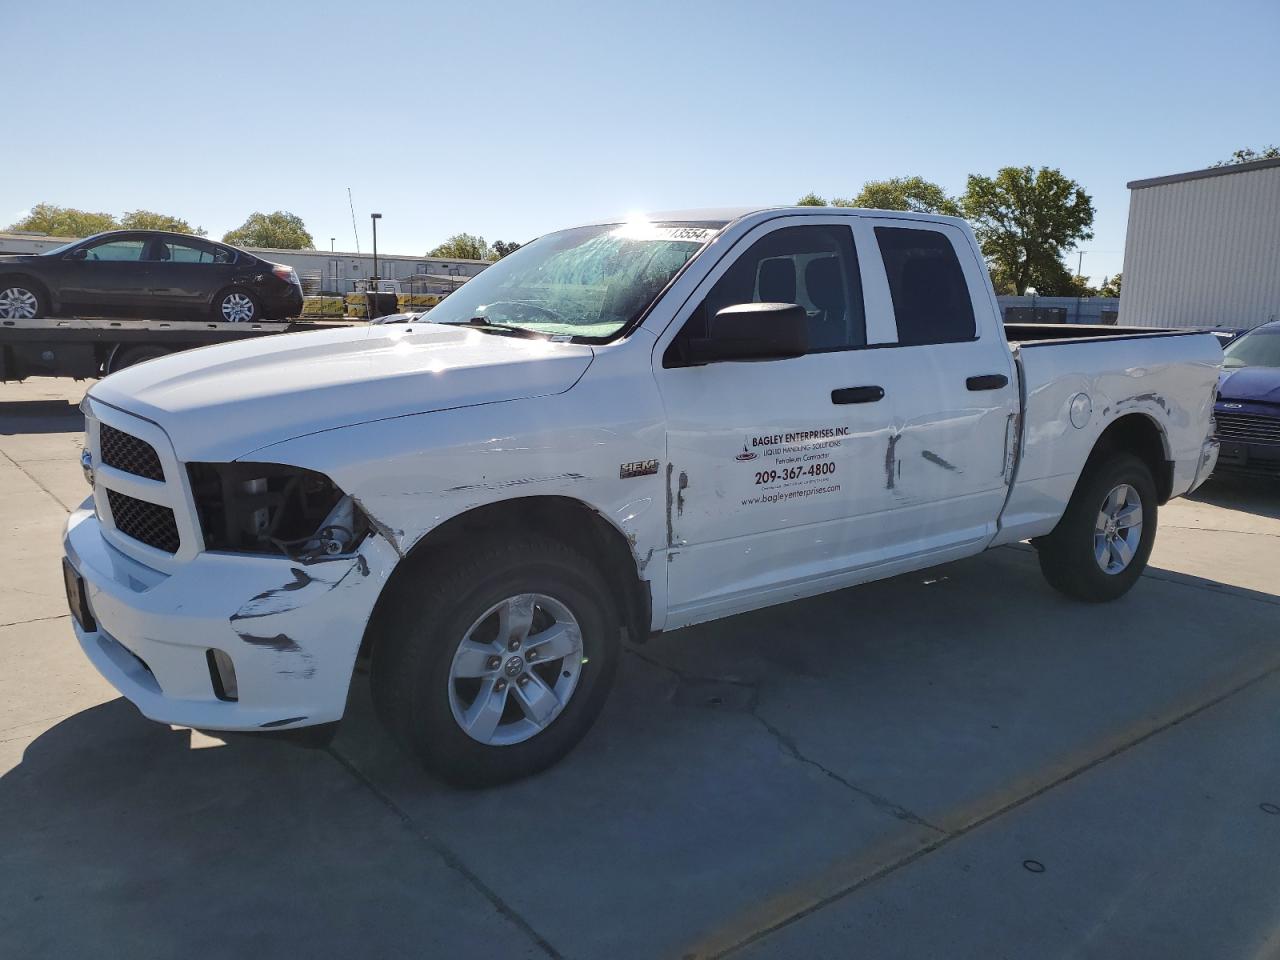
[(1203, 248), (332, 272)]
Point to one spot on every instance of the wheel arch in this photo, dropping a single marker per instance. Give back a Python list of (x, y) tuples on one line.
[(1143, 436), (571, 521)]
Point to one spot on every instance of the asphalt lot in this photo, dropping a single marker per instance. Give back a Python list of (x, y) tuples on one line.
[(958, 763)]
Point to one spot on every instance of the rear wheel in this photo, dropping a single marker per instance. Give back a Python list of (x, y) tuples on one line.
[(1101, 545), (127, 358), (499, 665), (237, 306), (21, 300)]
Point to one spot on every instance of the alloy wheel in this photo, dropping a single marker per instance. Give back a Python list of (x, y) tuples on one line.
[(515, 669), (18, 303), (1118, 530), (237, 308)]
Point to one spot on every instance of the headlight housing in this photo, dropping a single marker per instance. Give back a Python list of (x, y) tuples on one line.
[(274, 508)]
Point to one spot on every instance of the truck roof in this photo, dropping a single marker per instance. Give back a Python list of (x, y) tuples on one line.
[(726, 215)]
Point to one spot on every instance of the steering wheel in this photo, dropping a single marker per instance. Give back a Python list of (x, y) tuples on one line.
[(523, 310)]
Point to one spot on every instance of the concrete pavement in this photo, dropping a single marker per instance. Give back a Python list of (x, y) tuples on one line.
[(957, 763)]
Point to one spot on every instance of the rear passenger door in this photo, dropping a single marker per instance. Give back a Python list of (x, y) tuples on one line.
[(950, 378), (185, 274)]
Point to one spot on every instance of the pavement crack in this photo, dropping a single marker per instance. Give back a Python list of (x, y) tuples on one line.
[(1243, 533), (18, 623), (30, 476), (883, 804), (789, 746), (451, 859)]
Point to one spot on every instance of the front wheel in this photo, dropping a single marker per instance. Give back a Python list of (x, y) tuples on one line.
[(237, 306), (494, 667), (1100, 546)]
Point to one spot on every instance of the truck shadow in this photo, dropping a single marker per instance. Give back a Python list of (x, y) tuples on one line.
[(39, 416), (1256, 495), (945, 694)]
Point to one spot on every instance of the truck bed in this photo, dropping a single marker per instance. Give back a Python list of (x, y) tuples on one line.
[(1029, 334)]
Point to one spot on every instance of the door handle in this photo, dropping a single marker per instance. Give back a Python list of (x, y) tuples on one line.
[(857, 394), (988, 381)]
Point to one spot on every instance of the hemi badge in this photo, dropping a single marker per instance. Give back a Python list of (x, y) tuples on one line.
[(638, 468)]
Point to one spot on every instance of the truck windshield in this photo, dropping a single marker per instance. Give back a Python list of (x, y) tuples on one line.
[(587, 282), (1261, 348)]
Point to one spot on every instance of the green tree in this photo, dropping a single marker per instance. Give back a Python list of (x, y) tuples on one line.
[(502, 248), (1025, 219), (148, 220), (58, 221), (1057, 280), (1268, 152), (284, 231), (905, 193), (811, 200), (1110, 286), (463, 246)]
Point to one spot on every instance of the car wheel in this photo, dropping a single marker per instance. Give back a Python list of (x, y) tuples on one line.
[(237, 306), (20, 300), (127, 358), (499, 667), (1100, 546)]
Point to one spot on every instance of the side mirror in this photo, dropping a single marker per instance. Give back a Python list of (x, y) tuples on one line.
[(753, 331), (81, 254)]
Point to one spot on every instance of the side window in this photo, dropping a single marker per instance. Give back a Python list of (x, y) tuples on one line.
[(189, 253), (815, 267), (931, 301), (116, 250)]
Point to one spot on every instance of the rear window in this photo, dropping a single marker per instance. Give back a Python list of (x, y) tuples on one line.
[(930, 298)]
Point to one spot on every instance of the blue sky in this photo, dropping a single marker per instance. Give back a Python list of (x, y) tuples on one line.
[(511, 119)]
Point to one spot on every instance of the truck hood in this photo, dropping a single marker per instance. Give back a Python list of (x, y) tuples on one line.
[(1259, 384), (223, 402)]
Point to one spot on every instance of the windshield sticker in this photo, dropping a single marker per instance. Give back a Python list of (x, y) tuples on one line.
[(647, 231), (789, 466)]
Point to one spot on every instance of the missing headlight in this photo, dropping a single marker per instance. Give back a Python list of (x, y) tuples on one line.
[(274, 508)]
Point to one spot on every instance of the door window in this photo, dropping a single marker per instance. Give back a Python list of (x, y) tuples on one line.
[(173, 251), (931, 300), (814, 266), (117, 250)]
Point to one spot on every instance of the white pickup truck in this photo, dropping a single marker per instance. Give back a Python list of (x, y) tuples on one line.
[(619, 429)]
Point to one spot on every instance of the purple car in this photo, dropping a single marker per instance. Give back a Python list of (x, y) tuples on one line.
[(1248, 409)]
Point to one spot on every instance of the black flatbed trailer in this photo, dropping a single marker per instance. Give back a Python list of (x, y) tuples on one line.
[(84, 347)]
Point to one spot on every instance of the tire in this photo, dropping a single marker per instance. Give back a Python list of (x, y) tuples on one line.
[(20, 299), (127, 358), (1072, 558), (236, 305), (426, 686)]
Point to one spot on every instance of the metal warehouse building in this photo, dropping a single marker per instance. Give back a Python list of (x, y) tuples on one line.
[(1203, 248)]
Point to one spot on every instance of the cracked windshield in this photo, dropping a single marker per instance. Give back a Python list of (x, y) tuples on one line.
[(585, 282)]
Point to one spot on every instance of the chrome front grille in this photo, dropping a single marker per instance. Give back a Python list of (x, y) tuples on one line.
[(145, 522), (128, 453), (1248, 428)]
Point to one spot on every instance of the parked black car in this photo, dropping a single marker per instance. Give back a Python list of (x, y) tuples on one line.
[(147, 274)]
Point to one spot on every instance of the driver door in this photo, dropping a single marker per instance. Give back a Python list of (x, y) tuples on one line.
[(770, 459), (107, 278)]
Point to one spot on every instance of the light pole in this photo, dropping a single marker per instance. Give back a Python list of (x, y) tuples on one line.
[(331, 239), (375, 217)]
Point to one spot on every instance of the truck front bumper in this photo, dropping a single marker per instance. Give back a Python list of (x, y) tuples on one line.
[(290, 630)]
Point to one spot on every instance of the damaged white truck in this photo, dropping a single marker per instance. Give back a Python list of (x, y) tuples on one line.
[(619, 429)]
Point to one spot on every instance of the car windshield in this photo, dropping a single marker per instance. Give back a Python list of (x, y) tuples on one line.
[(1261, 348), (61, 248), (587, 282)]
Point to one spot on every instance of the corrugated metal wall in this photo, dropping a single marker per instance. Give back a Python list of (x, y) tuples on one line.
[(1204, 252)]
